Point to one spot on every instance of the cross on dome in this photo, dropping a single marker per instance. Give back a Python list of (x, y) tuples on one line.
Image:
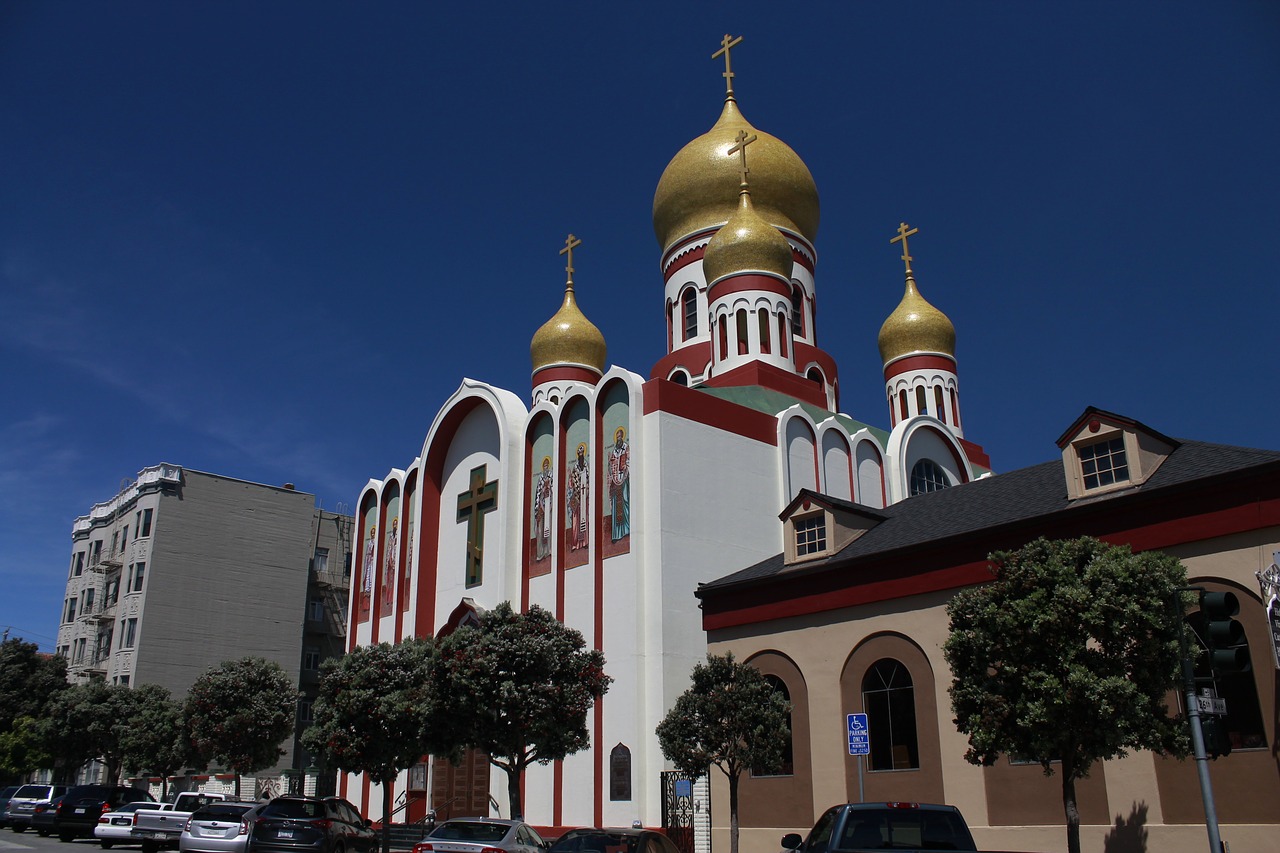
[(570, 243), (903, 234), (743, 141), (726, 44)]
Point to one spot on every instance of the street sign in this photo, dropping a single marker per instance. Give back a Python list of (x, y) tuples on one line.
[(1209, 703), (859, 734)]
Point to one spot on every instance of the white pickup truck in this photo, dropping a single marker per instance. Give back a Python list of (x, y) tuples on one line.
[(160, 828)]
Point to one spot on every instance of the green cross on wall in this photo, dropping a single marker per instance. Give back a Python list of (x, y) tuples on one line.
[(481, 498)]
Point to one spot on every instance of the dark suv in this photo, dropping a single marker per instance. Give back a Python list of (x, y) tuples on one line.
[(81, 807), (878, 826), (310, 825)]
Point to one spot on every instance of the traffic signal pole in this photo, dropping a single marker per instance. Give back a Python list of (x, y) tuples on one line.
[(1197, 731)]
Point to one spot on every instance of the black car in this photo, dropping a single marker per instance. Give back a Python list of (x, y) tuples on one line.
[(78, 813), (42, 819), (310, 825), (878, 826), (613, 841), (4, 803)]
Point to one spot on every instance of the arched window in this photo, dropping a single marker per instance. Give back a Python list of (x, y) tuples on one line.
[(724, 338), (788, 752), (763, 318), (690, 301), (902, 404), (921, 408), (797, 311), (680, 378), (955, 411), (928, 476), (889, 698), (742, 332), (937, 403), (782, 335)]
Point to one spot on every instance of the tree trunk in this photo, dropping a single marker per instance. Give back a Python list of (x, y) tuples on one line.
[(386, 814), (733, 813), (1069, 806), (514, 773), (237, 784)]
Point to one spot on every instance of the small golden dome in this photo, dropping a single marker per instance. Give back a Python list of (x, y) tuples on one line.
[(697, 189), (915, 326), (747, 243), (568, 338)]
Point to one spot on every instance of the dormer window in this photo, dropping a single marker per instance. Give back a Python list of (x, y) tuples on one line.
[(1104, 463), (811, 535)]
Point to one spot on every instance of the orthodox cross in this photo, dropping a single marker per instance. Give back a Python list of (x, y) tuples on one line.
[(903, 234), (743, 141), (726, 44), (481, 498), (570, 244)]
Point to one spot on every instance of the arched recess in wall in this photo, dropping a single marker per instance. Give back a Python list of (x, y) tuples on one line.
[(837, 465), (870, 467), (367, 557), (575, 475), (802, 459), (906, 663), (613, 480), (410, 543), (926, 442), (540, 487), (782, 800)]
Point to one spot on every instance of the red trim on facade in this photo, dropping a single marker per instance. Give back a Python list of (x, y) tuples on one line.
[(775, 379), (976, 454), (693, 357), (802, 259), (910, 363), (672, 399), (570, 373), (743, 282), (404, 570), (684, 260)]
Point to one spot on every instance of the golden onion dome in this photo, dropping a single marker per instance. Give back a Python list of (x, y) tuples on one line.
[(697, 190), (915, 326), (747, 243), (568, 338)]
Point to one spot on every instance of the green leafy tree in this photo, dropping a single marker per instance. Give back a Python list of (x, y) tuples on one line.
[(156, 740), (28, 680), (1066, 657), (730, 717), (519, 686), (373, 709), (22, 749), (239, 712), (88, 721)]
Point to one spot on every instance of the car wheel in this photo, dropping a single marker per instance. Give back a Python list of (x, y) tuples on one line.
[(106, 845), (66, 836), (337, 848), (149, 846), (17, 827), (44, 833)]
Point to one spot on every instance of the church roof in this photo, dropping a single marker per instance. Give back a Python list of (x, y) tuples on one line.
[(1017, 506), (772, 402)]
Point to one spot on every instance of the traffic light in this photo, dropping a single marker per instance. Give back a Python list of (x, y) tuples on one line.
[(1217, 743), (1224, 636)]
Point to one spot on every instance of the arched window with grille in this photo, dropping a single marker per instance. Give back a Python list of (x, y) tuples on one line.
[(928, 476), (690, 302), (889, 698)]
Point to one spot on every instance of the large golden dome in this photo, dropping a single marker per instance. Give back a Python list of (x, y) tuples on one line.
[(915, 326), (747, 243), (568, 338), (699, 187)]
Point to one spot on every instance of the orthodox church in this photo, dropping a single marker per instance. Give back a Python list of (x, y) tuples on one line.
[(607, 496)]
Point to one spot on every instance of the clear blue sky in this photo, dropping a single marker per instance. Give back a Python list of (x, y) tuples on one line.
[(268, 239)]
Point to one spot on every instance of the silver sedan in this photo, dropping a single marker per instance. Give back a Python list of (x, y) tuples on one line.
[(482, 835), (218, 828)]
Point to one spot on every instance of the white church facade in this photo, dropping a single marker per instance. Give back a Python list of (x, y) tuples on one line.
[(607, 496)]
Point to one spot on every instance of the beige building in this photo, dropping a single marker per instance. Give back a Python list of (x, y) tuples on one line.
[(857, 624)]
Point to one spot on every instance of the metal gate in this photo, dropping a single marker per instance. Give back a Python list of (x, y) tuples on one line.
[(677, 809)]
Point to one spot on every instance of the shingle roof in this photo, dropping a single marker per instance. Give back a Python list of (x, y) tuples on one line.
[(1002, 499)]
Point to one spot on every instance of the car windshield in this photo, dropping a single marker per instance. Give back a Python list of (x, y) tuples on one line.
[(912, 828), (597, 842), (470, 831), (222, 811), (308, 809)]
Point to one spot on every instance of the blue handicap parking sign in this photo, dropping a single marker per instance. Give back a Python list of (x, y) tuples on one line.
[(859, 735)]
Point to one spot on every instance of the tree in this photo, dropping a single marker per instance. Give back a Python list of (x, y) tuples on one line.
[(88, 721), (1066, 657), (520, 686), (730, 717), (22, 749), (238, 713), (156, 739), (28, 680), (373, 709)]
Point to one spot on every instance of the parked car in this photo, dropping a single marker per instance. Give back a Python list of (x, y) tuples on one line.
[(621, 840), (875, 826), (78, 813), (116, 827), (42, 820), (22, 805), (481, 835), (160, 829), (4, 803), (218, 828), (310, 825)]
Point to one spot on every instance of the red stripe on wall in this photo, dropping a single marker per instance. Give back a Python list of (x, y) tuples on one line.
[(672, 399)]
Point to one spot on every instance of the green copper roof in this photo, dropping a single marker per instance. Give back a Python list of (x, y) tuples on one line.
[(773, 402)]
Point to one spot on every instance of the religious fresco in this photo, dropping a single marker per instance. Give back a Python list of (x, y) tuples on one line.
[(541, 485), (410, 525), (616, 499), (577, 487), (368, 556), (390, 548)]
